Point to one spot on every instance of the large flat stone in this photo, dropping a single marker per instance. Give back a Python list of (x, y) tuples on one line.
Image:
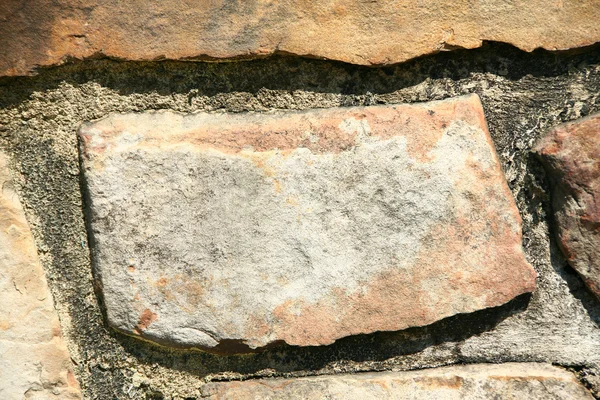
[(217, 230), (571, 155), (467, 382), (34, 361), (44, 32)]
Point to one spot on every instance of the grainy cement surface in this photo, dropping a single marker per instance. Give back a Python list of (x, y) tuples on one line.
[(301, 227), (523, 96)]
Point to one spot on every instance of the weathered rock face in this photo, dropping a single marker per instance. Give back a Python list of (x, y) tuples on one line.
[(48, 32), (473, 382), (301, 227), (571, 154), (34, 361)]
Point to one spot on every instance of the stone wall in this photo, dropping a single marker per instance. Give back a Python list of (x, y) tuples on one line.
[(523, 96)]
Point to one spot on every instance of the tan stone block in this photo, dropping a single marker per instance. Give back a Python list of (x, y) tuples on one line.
[(228, 231)]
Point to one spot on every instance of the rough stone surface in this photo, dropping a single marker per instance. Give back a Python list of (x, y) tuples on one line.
[(34, 361), (467, 382), (571, 154), (302, 227), (43, 33)]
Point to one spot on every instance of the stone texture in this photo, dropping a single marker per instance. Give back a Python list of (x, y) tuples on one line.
[(467, 382), (228, 231), (34, 361), (45, 32), (571, 155)]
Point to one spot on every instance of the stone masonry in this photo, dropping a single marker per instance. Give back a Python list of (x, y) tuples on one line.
[(224, 199)]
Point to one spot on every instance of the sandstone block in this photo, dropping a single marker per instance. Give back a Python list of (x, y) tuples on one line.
[(222, 230), (34, 361), (467, 382), (367, 33), (571, 155)]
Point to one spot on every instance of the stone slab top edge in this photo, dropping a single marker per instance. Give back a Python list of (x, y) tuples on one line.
[(549, 143), (227, 123), (377, 33)]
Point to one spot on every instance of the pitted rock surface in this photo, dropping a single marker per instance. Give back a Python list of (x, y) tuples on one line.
[(571, 155), (34, 361), (466, 382), (222, 230), (381, 32)]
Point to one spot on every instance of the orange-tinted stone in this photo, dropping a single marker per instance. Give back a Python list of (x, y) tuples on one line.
[(571, 155)]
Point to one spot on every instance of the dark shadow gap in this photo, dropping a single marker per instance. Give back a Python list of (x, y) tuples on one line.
[(291, 73)]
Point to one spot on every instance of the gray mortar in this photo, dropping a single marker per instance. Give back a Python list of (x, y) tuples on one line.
[(523, 95)]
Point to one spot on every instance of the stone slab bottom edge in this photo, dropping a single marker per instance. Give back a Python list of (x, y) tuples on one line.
[(476, 381)]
